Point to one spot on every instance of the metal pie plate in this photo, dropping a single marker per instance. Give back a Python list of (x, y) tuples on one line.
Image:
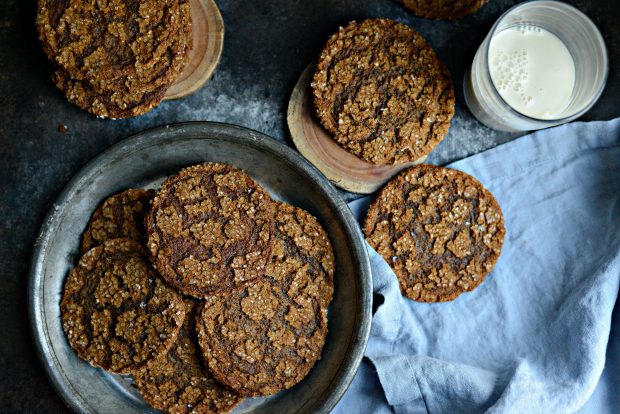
[(145, 160)]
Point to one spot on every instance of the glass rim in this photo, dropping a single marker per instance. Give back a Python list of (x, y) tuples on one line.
[(599, 38)]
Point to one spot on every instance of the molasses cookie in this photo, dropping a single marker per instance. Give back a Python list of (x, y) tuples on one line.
[(443, 9), (179, 382), (104, 39), (382, 92), (210, 229), (141, 87), (116, 312), (145, 77), (121, 215), (267, 336), (439, 229), (302, 243)]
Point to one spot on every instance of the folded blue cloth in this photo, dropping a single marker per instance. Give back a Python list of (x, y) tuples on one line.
[(532, 338)]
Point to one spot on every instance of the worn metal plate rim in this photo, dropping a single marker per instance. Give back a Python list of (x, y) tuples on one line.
[(234, 135)]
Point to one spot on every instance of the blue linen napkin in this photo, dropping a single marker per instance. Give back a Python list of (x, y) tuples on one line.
[(532, 338)]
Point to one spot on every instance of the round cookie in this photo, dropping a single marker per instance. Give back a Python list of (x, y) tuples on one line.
[(139, 91), (116, 312), (121, 215), (179, 382), (439, 229), (443, 9), (382, 92), (210, 229), (104, 39), (267, 336)]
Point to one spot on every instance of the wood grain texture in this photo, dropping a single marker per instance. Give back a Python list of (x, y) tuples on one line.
[(342, 168), (208, 43)]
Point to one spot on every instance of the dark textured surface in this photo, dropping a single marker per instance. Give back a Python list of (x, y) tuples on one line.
[(267, 45)]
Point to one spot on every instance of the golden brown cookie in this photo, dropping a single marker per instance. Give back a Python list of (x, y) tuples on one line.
[(141, 87), (179, 382), (439, 229), (267, 336), (443, 9), (162, 71), (302, 243), (121, 215), (210, 229), (104, 39), (116, 312), (382, 92)]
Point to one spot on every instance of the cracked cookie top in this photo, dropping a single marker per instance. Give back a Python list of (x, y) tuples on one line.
[(121, 215), (382, 92), (267, 336), (140, 82), (210, 229), (439, 229), (116, 312), (179, 382), (105, 39)]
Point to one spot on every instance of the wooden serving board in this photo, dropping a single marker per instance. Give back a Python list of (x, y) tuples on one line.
[(341, 167), (208, 42)]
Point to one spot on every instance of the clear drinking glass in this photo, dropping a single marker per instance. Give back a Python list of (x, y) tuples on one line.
[(582, 39)]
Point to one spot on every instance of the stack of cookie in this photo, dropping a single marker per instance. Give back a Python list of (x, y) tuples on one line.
[(382, 92), (237, 306), (115, 59)]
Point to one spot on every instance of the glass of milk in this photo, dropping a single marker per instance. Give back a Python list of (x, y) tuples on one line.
[(542, 64)]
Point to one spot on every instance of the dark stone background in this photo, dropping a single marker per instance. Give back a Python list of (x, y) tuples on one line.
[(267, 44)]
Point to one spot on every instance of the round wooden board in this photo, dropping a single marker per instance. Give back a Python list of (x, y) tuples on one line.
[(208, 42), (342, 168)]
